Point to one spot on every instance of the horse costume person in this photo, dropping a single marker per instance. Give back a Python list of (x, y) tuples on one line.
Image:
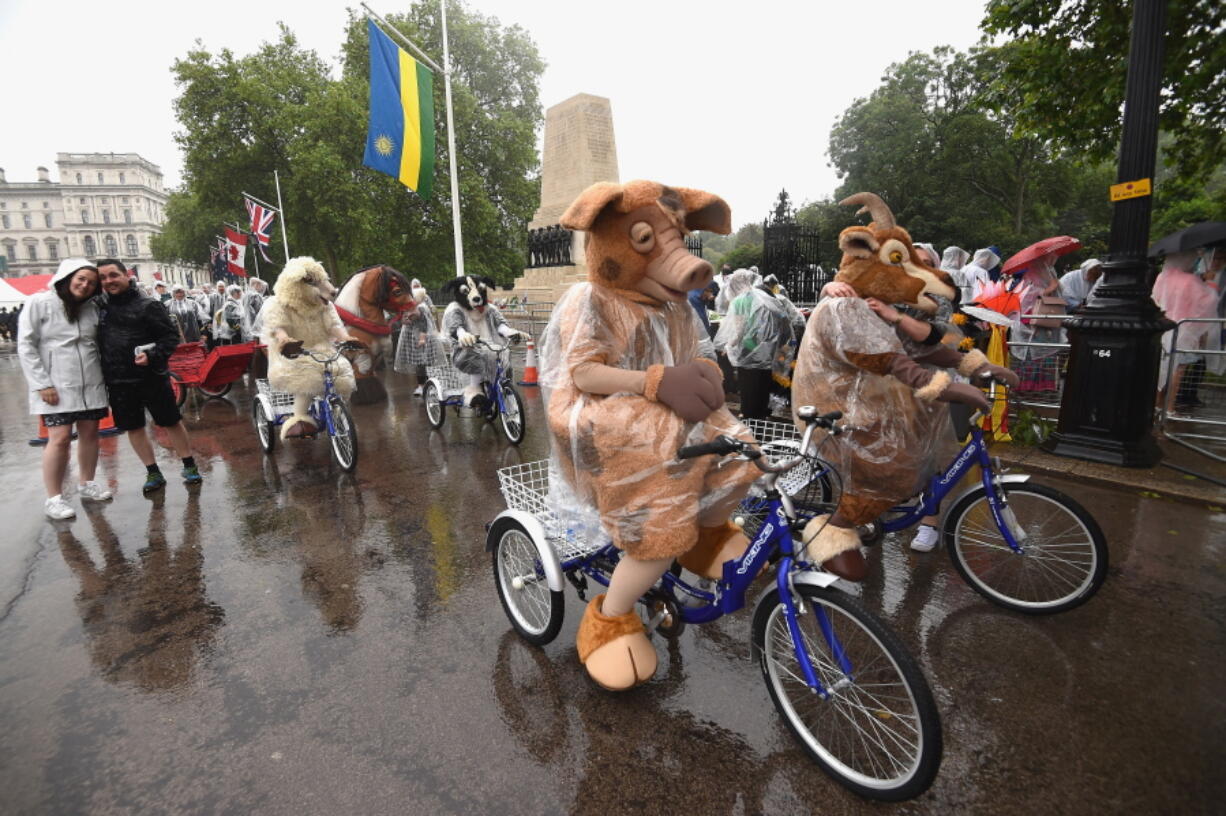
[(363, 304)]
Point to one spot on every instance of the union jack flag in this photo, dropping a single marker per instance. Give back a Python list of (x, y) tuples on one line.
[(261, 225)]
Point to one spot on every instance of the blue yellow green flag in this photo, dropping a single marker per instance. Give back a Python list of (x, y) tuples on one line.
[(400, 137)]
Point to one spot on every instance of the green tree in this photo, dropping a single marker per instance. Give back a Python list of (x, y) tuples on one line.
[(1068, 63), (281, 108), (744, 256)]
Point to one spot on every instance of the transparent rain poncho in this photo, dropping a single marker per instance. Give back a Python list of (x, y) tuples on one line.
[(613, 465), (893, 449), (420, 343), (755, 328)]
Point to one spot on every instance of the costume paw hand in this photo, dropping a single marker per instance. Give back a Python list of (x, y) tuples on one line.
[(1002, 375), (291, 348), (967, 395), (466, 339), (692, 390), (838, 289)]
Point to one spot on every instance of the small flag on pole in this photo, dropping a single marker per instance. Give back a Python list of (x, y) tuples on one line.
[(400, 136), (236, 253), (261, 225)]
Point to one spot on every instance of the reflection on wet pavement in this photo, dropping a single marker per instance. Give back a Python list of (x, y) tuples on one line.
[(290, 639)]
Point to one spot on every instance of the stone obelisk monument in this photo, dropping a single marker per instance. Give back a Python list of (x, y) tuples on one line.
[(579, 151)]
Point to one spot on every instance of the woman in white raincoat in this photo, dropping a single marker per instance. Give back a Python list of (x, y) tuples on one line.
[(187, 312), (420, 344), (253, 301), (228, 321), (975, 273), (954, 259), (754, 330), (58, 349), (1038, 364)]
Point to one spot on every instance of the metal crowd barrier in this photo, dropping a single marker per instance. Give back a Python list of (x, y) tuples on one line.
[(1195, 415)]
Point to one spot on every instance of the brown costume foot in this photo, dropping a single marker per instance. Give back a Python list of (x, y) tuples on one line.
[(615, 650), (715, 546), (297, 427), (837, 549), (369, 390)]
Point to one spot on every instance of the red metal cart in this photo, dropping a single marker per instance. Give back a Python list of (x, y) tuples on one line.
[(213, 372)]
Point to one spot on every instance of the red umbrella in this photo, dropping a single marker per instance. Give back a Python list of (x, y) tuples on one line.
[(1060, 245)]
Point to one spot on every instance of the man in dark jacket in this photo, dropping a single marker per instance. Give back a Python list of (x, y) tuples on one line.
[(136, 337)]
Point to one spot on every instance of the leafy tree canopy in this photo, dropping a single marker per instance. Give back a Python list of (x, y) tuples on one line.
[(281, 108)]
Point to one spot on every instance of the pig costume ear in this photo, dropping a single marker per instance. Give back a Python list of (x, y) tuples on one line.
[(582, 212), (705, 211)]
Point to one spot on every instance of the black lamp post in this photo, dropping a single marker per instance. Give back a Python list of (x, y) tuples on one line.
[(1107, 413)]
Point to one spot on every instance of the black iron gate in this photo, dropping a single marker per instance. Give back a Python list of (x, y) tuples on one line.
[(790, 253)]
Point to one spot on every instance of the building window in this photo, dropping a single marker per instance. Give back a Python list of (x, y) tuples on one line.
[(53, 251), (82, 200), (124, 200), (29, 222), (79, 181), (11, 251), (131, 246), (84, 216), (32, 251), (25, 205), (6, 221), (45, 205), (99, 178), (121, 179), (47, 218), (127, 216), (112, 247), (90, 249), (106, 216)]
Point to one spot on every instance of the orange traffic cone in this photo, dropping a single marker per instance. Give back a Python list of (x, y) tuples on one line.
[(530, 375), (106, 427)]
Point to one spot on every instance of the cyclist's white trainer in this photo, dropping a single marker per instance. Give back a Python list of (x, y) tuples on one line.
[(93, 491), (926, 539), (57, 508), (418, 390)]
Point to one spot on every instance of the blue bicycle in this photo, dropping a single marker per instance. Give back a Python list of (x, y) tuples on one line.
[(842, 681), (270, 409), (1027, 547), (445, 387)]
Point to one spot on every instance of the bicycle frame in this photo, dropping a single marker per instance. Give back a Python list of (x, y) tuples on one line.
[(321, 407), (492, 392), (975, 452), (773, 538)]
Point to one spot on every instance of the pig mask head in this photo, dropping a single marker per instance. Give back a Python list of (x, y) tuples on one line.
[(879, 261), (636, 236)]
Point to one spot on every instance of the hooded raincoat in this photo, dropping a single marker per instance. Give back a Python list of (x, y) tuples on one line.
[(57, 352), (1184, 296), (975, 273), (188, 313)]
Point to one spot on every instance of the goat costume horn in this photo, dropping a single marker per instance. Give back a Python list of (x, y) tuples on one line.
[(872, 203)]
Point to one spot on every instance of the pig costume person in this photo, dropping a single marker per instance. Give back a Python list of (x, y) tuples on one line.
[(629, 377), (888, 385)]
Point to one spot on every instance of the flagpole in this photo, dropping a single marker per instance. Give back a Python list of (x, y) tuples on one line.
[(281, 211)]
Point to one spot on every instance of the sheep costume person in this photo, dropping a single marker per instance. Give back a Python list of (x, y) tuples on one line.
[(888, 385), (629, 377), (468, 318), (302, 316)]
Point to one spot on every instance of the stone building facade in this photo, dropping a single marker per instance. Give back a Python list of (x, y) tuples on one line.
[(100, 205)]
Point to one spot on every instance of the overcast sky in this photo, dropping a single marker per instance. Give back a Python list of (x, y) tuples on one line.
[(734, 97)]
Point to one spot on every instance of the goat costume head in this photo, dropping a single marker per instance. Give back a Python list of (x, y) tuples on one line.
[(636, 236), (303, 285), (880, 261), (470, 291)]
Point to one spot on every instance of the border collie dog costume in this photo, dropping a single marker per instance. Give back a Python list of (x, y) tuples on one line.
[(468, 318)]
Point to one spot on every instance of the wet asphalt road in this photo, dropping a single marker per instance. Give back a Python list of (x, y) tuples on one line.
[(289, 639)]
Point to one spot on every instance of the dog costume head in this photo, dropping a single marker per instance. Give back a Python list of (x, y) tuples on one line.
[(880, 261), (303, 285), (636, 236), (470, 291)]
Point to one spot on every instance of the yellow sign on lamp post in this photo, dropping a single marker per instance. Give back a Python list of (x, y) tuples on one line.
[(1130, 189)]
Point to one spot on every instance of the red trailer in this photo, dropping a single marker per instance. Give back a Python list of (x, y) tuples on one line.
[(213, 373)]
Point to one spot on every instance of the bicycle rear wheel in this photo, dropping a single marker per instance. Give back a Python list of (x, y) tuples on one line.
[(345, 439), (265, 429), (878, 732), (1064, 554), (436, 412)]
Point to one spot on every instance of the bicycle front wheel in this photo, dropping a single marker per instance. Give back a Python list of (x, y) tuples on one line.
[(878, 732), (512, 415), (1063, 561), (436, 412), (533, 608), (345, 439)]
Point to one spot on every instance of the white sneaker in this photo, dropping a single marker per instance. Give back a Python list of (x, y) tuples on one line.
[(418, 390), (926, 539), (93, 491), (57, 508)]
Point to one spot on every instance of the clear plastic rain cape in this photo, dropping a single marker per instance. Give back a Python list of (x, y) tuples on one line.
[(613, 465)]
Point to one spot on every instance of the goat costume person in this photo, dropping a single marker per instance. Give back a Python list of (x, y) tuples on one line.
[(887, 385), (629, 376), (468, 318), (302, 316)]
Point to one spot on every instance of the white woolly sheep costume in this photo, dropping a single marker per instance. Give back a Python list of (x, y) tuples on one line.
[(301, 312)]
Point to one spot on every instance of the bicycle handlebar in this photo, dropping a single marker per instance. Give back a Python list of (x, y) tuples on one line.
[(724, 445), (347, 345)]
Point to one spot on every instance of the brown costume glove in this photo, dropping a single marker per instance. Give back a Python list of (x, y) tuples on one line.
[(965, 394), (693, 390), (975, 364), (935, 385)]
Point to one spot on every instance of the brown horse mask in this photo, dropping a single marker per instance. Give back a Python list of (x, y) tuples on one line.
[(636, 237), (879, 260)]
